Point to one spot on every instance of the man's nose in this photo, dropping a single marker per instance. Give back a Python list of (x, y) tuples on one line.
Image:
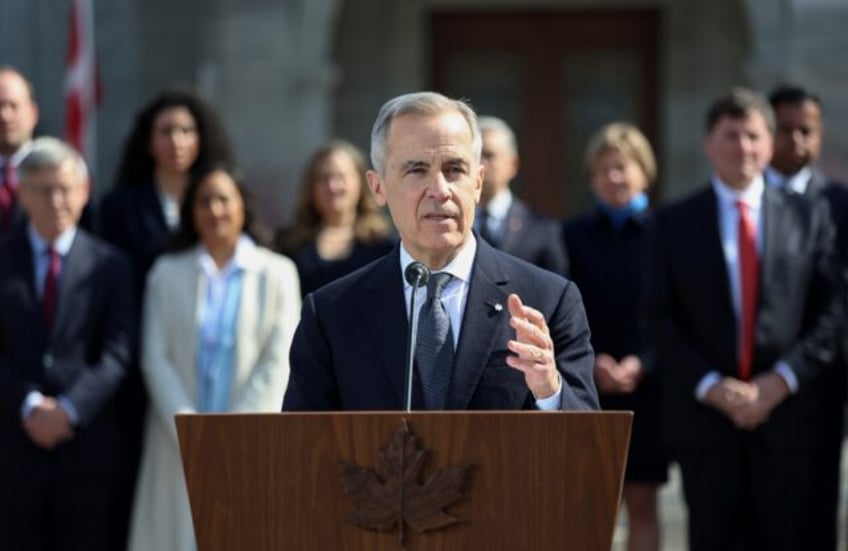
[(439, 186)]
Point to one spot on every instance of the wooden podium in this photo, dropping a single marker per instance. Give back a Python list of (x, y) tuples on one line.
[(535, 481)]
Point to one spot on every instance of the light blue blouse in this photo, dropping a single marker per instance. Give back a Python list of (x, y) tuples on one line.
[(218, 324)]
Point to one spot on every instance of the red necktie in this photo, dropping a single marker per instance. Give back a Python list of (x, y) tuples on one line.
[(51, 286), (7, 196), (749, 269)]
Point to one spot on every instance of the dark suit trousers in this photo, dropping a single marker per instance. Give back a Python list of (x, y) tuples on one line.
[(42, 510), (132, 406), (822, 510), (744, 496)]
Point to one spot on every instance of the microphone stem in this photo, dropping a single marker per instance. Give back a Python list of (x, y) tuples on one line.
[(411, 340)]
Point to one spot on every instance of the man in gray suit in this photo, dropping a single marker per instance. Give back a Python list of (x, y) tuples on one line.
[(794, 169)]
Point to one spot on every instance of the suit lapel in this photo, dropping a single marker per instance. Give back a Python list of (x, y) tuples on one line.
[(514, 223), (772, 235), (22, 258), (384, 313), (707, 245), (151, 211), (816, 184), (481, 322)]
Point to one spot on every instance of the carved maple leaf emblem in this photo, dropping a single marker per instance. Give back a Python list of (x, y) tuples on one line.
[(386, 501)]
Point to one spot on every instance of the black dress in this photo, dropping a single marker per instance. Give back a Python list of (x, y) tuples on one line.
[(607, 265), (315, 272), (131, 218)]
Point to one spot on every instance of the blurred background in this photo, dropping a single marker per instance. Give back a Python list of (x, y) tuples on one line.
[(289, 74)]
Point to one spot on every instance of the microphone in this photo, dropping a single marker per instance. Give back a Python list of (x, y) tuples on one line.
[(416, 274)]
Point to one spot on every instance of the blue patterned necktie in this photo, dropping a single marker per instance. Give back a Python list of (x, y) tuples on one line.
[(434, 351)]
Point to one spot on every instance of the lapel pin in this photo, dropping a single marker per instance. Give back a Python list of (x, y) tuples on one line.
[(495, 306)]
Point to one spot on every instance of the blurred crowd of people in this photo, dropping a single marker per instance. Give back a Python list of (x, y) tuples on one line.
[(717, 319)]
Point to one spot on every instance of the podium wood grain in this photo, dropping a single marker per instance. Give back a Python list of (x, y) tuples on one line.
[(539, 481)]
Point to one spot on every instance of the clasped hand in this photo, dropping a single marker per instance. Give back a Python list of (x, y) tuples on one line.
[(614, 377), (748, 404), (48, 424)]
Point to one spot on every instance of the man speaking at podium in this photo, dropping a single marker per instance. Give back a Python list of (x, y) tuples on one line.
[(494, 332)]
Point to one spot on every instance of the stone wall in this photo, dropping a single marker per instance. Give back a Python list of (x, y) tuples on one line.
[(288, 75)]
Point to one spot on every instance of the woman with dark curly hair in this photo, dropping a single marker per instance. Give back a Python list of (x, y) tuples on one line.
[(173, 135), (171, 138), (338, 226)]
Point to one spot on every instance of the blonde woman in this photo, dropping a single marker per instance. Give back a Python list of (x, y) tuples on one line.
[(606, 251)]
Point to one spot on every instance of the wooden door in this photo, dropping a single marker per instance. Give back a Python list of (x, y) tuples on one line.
[(555, 77)]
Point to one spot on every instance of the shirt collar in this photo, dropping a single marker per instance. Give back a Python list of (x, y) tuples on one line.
[(752, 195), (62, 244), (245, 258), (18, 156), (794, 182), (459, 267), (498, 206)]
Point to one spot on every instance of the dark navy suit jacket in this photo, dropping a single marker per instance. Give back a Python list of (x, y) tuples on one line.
[(836, 195), (534, 238), (84, 357), (131, 218), (348, 351)]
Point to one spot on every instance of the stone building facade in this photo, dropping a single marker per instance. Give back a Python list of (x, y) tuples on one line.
[(289, 74)]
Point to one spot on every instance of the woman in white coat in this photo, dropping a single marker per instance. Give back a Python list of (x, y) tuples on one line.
[(219, 316)]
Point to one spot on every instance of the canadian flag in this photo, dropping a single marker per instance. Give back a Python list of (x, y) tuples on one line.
[(82, 83)]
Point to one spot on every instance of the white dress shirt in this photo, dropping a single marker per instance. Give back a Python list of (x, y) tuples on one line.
[(454, 297), (497, 210), (796, 183), (170, 209), (15, 158), (728, 220)]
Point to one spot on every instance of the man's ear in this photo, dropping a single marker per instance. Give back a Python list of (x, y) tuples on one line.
[(86, 188), (516, 164), (479, 177), (375, 184)]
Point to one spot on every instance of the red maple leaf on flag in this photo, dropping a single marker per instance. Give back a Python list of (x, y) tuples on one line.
[(82, 82)]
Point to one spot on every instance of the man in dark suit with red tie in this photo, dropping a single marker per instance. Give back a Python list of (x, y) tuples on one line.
[(65, 336), (18, 117), (743, 319), (495, 333)]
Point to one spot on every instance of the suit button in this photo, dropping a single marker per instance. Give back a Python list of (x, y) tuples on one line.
[(47, 360)]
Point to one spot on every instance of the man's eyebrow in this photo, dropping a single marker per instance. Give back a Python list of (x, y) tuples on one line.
[(409, 165), (453, 161)]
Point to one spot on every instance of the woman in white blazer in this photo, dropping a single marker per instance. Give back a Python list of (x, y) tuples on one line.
[(219, 316)]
